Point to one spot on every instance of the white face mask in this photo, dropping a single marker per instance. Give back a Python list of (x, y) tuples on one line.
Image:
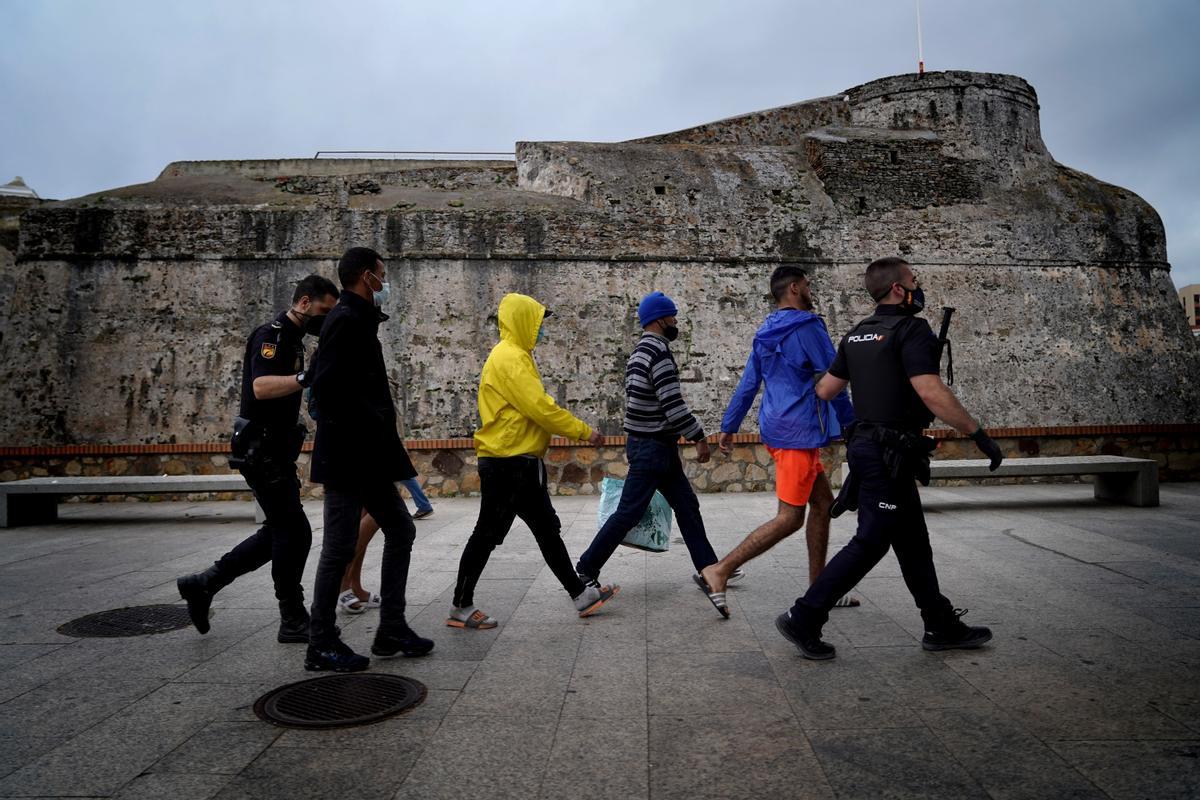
[(380, 295)]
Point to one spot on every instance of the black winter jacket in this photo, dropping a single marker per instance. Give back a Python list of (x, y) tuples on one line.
[(357, 441)]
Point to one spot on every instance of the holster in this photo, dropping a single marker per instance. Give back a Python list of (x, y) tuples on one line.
[(903, 450), (246, 444)]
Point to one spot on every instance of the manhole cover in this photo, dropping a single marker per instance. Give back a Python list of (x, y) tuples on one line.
[(134, 621), (339, 701)]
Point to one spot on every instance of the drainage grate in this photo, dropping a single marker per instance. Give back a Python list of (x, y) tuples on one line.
[(339, 701), (134, 621)]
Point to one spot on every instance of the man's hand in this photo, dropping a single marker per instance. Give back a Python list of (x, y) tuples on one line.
[(703, 454), (725, 442), (596, 439), (988, 447)]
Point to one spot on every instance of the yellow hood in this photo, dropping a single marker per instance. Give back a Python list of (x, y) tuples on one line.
[(520, 318), (517, 416)]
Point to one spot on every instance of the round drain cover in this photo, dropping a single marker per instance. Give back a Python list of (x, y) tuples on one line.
[(339, 701), (134, 621)]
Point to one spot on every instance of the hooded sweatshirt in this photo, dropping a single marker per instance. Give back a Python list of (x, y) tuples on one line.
[(790, 349), (518, 416)]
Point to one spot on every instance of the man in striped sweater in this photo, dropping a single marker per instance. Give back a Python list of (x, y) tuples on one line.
[(656, 415)]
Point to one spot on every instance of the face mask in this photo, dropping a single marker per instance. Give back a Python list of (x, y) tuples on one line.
[(914, 301), (380, 295), (670, 333), (541, 335), (313, 323)]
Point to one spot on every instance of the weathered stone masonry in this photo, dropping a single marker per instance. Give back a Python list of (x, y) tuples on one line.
[(124, 313)]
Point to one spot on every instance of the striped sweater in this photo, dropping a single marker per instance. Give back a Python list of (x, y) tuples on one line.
[(654, 404)]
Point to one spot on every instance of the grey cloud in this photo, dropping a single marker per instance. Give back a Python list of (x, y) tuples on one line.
[(96, 95)]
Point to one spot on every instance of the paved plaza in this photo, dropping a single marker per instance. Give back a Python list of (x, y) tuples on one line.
[(1091, 687)]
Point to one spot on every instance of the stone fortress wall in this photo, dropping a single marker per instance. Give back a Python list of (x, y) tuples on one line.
[(124, 313)]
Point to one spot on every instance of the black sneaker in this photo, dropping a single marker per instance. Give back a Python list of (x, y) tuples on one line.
[(336, 657), (810, 644), (296, 632), (293, 622), (954, 634), (292, 631), (403, 642), (423, 514)]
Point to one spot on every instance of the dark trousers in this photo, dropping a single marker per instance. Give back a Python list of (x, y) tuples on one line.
[(889, 515), (511, 488), (654, 465), (343, 510), (285, 537)]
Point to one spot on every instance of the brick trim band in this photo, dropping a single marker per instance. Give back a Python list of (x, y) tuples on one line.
[(217, 448)]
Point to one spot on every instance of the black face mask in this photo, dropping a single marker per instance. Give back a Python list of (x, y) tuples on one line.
[(313, 323), (670, 333), (914, 301)]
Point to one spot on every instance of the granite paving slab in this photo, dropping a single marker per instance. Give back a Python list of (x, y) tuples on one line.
[(1088, 689)]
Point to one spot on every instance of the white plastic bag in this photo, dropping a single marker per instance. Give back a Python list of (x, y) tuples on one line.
[(653, 533)]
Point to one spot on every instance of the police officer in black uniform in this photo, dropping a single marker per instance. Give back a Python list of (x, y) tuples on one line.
[(266, 443), (890, 361)]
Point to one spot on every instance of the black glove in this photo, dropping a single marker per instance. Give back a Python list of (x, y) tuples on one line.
[(988, 447)]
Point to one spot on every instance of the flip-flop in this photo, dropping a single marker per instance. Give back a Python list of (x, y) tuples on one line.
[(348, 601), (847, 601), (716, 598), (477, 621)]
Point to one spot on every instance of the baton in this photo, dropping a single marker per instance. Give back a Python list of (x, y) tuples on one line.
[(944, 343)]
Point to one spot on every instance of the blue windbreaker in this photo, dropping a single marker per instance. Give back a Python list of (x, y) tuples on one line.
[(790, 349)]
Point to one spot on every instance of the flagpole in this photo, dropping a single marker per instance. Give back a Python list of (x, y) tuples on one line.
[(920, 44)]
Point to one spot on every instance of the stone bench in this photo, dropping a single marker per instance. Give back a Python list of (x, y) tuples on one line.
[(34, 501), (1132, 481)]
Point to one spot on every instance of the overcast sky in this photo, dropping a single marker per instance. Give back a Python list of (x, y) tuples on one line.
[(95, 95)]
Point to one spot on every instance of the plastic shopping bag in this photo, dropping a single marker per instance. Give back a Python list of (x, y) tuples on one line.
[(653, 533)]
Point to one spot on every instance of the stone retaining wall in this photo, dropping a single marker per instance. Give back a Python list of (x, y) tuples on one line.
[(579, 470)]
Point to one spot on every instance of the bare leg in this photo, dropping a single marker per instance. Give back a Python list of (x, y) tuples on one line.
[(761, 539), (816, 533), (353, 577)]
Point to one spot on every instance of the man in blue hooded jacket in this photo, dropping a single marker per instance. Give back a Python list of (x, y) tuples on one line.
[(790, 352)]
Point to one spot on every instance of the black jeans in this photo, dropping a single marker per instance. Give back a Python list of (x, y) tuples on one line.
[(510, 488), (343, 510), (653, 465), (284, 538), (889, 515)]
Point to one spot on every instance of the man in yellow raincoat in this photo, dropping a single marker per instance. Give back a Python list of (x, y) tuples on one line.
[(518, 418)]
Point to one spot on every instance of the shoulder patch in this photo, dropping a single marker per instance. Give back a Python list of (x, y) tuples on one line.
[(268, 350)]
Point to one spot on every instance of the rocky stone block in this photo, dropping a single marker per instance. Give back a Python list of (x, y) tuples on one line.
[(448, 462)]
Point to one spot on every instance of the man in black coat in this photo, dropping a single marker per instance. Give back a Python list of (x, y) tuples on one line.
[(358, 456)]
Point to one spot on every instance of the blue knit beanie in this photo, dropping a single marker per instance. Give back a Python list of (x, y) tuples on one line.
[(655, 305)]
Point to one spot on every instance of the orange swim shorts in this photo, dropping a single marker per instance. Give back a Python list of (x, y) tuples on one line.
[(795, 473)]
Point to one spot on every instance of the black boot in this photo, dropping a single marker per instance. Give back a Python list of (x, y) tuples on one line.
[(401, 641), (293, 622), (947, 632), (198, 591)]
